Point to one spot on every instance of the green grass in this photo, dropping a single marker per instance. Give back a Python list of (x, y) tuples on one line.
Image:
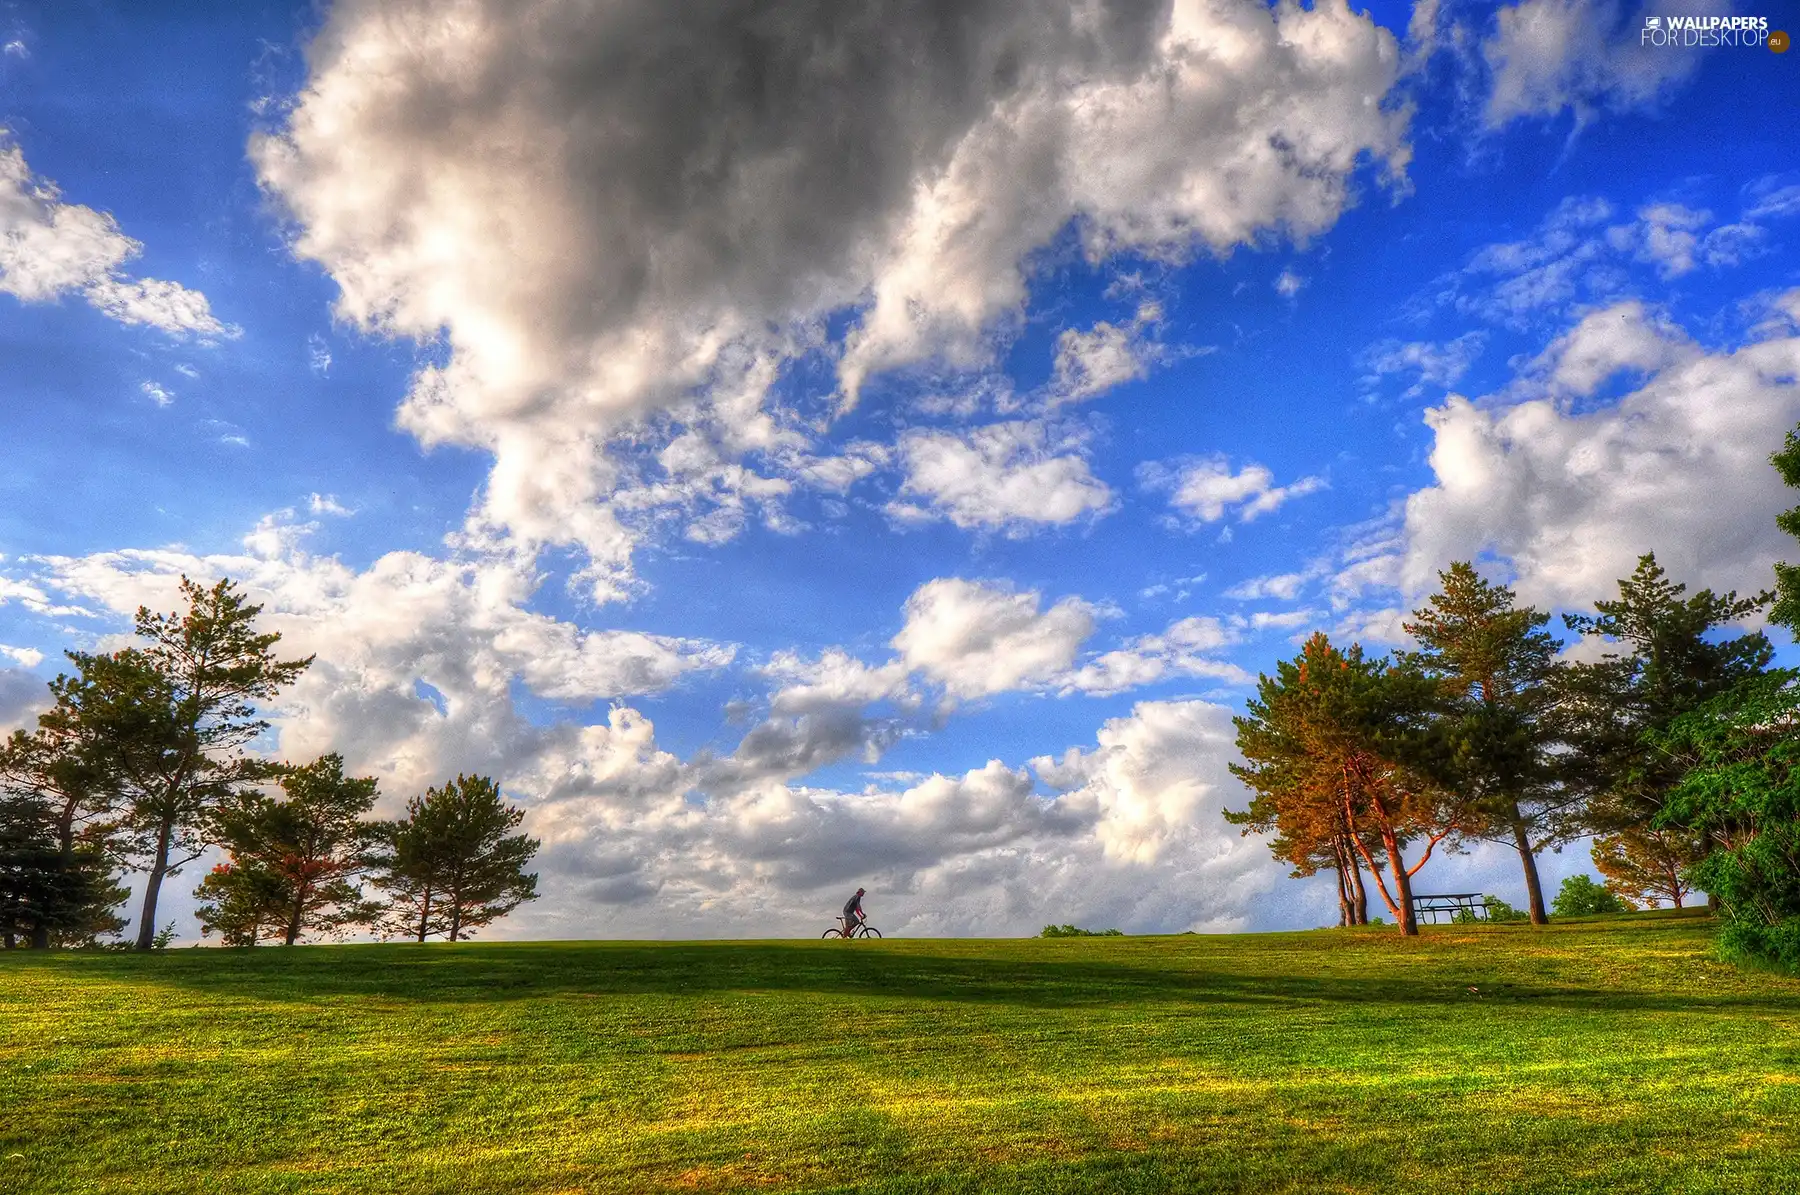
[(1610, 1055)]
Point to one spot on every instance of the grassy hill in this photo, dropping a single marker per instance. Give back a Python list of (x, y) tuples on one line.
[(1612, 1055)]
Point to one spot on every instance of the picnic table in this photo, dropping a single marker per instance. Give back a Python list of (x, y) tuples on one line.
[(1430, 904)]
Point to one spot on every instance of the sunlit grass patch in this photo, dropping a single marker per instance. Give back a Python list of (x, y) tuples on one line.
[(1615, 1054)]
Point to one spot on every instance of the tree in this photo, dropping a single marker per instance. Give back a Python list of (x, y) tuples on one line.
[(1740, 791), (1335, 731), (56, 833), (1675, 658), (1646, 865), (1496, 666), (1581, 897), (294, 862), (172, 719), (451, 864), (1786, 611)]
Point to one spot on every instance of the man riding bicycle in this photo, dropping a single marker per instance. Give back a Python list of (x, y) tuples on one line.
[(853, 914)]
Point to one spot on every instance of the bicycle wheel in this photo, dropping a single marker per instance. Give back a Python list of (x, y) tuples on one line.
[(869, 931), (833, 932)]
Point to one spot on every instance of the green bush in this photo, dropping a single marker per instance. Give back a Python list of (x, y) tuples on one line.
[(1497, 910), (1581, 897), (1075, 931)]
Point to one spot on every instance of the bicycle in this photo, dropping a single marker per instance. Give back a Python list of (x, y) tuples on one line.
[(865, 930)]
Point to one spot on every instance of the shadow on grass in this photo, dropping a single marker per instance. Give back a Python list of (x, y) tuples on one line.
[(521, 971)]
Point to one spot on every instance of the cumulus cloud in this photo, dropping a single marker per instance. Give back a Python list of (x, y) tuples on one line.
[(1186, 648), (638, 840), (1571, 492), (1013, 477), (461, 627), (978, 638), (1207, 489), (26, 657), (626, 217), (49, 248), (1104, 356), (1581, 56)]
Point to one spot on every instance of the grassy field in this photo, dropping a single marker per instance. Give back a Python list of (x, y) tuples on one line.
[(1613, 1055)]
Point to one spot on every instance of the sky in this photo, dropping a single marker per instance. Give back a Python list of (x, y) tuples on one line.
[(796, 446)]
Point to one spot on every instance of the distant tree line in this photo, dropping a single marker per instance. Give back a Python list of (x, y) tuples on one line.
[(1674, 751), (144, 761)]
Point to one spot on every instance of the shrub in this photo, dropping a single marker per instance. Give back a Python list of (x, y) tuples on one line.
[(1497, 910), (1074, 931), (1581, 897)]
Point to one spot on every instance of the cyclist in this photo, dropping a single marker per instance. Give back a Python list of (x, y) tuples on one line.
[(853, 914)]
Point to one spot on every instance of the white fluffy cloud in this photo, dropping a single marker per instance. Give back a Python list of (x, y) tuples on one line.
[(1571, 494), (1106, 355), (460, 628), (1013, 477), (49, 248), (1186, 648), (978, 639), (1208, 489), (1584, 56), (604, 236), (413, 682)]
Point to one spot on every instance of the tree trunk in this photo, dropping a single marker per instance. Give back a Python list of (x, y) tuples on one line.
[(11, 943), (293, 925), (1359, 905), (40, 937), (424, 914), (1534, 887), (1712, 904), (455, 920), (146, 937), (1409, 920)]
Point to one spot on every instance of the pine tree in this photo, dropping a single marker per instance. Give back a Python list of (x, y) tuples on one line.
[(1497, 666), (171, 720), (57, 833), (1336, 733), (452, 865), (1646, 865), (295, 862), (1786, 611), (1674, 660)]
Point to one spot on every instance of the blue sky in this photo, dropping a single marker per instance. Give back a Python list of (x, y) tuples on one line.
[(794, 448)]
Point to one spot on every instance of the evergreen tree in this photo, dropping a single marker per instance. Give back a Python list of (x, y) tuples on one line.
[(1740, 791), (1786, 611), (171, 720), (1336, 733), (1674, 659), (452, 864), (295, 862), (1646, 865), (1496, 666), (57, 884)]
